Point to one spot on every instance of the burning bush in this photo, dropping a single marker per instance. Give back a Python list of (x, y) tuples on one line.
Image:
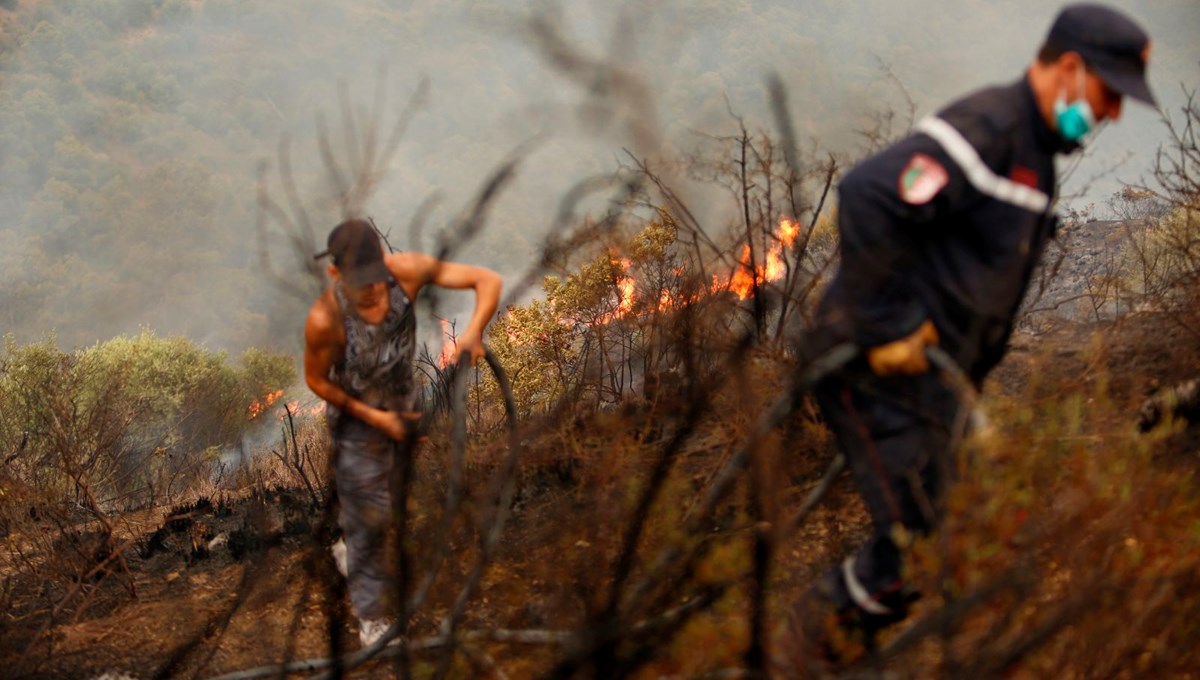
[(656, 301)]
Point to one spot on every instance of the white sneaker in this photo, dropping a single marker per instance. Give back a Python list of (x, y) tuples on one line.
[(372, 630), (339, 557)]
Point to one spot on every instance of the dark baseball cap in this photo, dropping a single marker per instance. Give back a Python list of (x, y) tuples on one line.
[(357, 253), (1112, 45)]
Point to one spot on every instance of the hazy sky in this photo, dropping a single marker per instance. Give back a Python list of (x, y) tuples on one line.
[(703, 57), (490, 91)]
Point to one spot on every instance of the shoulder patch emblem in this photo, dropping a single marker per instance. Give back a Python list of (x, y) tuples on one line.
[(922, 179), (1024, 175)]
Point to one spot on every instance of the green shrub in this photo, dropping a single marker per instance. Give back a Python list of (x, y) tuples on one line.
[(128, 420)]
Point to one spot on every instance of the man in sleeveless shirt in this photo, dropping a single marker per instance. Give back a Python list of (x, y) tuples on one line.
[(359, 345), (939, 236)]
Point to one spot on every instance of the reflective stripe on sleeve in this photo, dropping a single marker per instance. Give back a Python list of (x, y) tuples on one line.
[(977, 172), (858, 593)]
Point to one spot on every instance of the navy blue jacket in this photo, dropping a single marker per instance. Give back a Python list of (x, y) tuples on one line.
[(947, 225)]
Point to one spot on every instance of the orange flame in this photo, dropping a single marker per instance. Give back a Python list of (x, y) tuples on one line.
[(746, 277), (449, 352), (625, 288), (257, 407), (625, 293), (749, 275)]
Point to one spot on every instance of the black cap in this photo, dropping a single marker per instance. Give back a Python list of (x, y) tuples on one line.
[(1111, 44), (357, 253)]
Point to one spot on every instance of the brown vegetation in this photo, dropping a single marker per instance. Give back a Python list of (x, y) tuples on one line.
[(611, 499)]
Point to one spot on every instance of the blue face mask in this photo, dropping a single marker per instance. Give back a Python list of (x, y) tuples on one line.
[(1075, 120)]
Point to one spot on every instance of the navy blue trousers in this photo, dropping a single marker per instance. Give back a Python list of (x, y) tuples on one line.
[(896, 435)]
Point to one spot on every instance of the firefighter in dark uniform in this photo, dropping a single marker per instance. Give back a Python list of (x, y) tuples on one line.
[(939, 236)]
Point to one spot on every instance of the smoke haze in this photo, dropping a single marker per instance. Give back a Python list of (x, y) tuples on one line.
[(131, 130)]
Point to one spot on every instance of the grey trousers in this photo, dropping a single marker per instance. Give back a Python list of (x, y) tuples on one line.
[(362, 473)]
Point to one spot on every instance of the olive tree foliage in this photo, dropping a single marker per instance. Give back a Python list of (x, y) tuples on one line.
[(126, 423), (594, 332)]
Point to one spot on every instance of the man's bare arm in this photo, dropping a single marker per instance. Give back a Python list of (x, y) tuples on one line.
[(414, 270)]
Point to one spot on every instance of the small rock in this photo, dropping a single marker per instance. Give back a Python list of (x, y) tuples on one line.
[(218, 541)]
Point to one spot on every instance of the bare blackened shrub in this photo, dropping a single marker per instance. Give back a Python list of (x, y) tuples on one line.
[(303, 451), (298, 458), (776, 248), (1165, 257), (1132, 204), (1160, 265)]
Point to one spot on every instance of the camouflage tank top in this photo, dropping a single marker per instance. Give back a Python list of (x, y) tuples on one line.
[(377, 365)]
